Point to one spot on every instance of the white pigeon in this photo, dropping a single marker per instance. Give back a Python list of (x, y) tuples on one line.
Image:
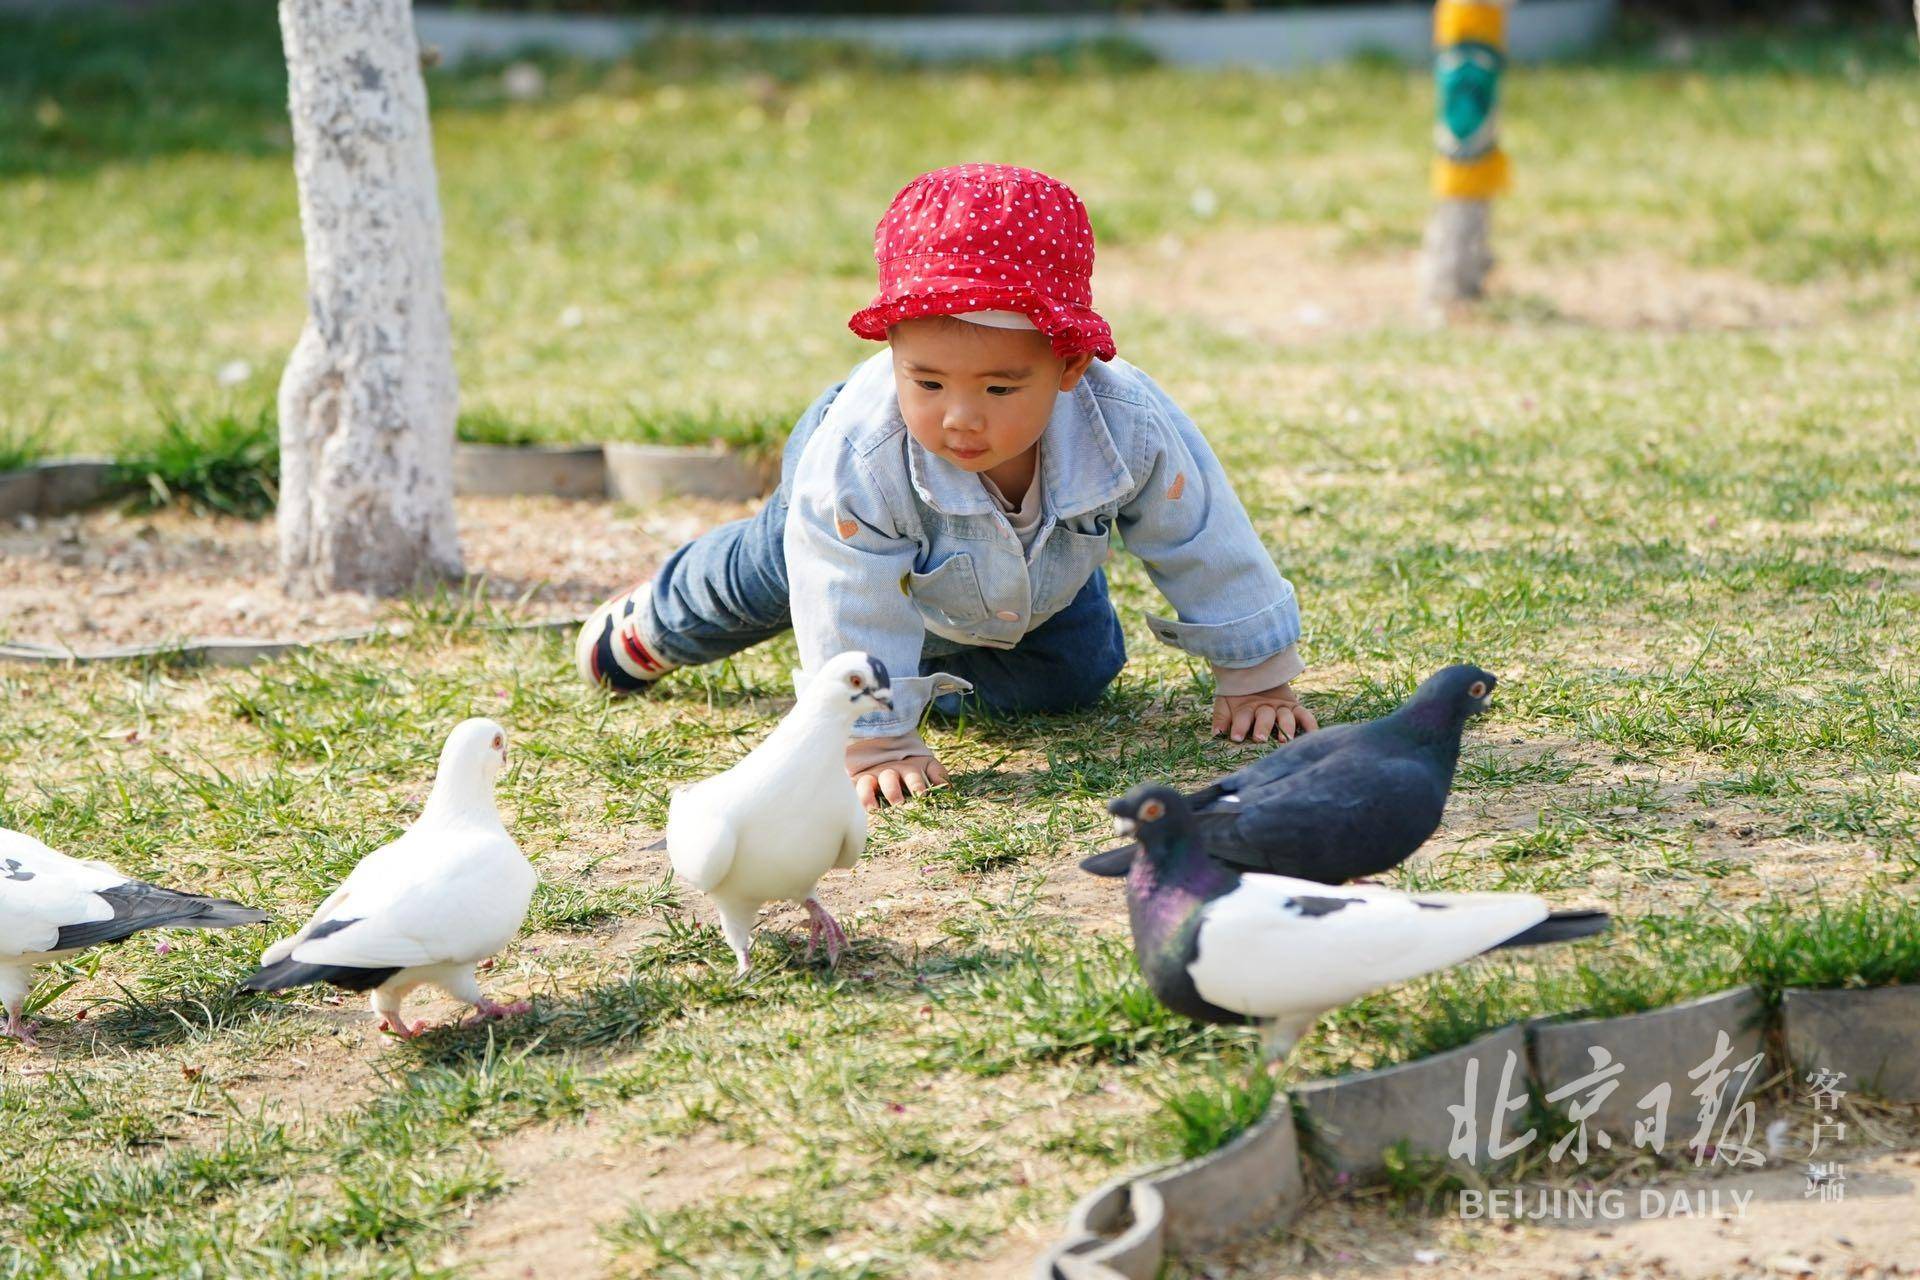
[(767, 829), (1223, 946), (450, 892), (52, 906)]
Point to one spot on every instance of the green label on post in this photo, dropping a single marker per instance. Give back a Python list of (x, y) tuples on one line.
[(1468, 79)]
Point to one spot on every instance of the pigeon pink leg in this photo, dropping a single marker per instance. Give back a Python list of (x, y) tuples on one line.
[(486, 1010), (392, 1020), (21, 1030), (820, 923), (397, 1025)]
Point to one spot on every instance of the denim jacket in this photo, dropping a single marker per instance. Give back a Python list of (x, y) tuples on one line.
[(886, 541)]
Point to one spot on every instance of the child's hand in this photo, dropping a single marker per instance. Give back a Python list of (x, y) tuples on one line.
[(896, 780), (1269, 711)]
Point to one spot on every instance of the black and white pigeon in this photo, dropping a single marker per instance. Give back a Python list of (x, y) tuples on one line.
[(767, 829), (1343, 802), (53, 906), (449, 893), (1221, 946)]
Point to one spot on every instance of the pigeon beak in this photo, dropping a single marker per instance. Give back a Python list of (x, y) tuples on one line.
[(1124, 826), (883, 696)]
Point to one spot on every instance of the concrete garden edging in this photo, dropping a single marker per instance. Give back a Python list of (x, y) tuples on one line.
[(561, 471), (1872, 1034), (1124, 1229), (638, 473), (1274, 39), (1352, 1121), (55, 487), (224, 651), (1662, 1046), (631, 473)]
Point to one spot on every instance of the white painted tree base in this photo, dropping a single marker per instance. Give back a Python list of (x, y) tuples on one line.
[(1455, 256), (368, 399)]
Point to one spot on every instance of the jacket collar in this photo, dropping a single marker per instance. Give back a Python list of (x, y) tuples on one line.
[(1080, 467)]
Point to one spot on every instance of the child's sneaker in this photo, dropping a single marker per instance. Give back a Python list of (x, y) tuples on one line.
[(611, 652)]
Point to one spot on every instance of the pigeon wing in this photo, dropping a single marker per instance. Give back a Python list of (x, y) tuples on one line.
[(375, 872), (324, 912), (1220, 803), (432, 910), (854, 843), (43, 891), (1283, 761), (1278, 947), (50, 902), (701, 841), (1351, 815)]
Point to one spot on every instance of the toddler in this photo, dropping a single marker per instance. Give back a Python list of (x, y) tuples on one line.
[(949, 506)]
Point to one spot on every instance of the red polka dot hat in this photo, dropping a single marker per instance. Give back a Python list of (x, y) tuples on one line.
[(988, 237)]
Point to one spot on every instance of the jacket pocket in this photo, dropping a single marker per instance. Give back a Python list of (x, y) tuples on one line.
[(1067, 561), (949, 592)]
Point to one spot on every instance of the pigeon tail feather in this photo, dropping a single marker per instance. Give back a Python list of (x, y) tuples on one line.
[(295, 973), (1560, 926), (1110, 862), (138, 906)]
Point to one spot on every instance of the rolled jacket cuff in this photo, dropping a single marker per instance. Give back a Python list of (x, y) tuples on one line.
[(1281, 668), (1238, 643), (911, 694)]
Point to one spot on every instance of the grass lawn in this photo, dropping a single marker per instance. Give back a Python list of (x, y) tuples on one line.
[(1666, 489)]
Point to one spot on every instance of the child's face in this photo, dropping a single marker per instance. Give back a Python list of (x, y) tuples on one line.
[(974, 395)]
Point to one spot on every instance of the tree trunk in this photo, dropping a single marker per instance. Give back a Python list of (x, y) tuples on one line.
[(368, 399), (1469, 168), (1456, 254)]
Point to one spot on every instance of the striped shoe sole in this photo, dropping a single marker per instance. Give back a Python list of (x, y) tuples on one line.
[(610, 652)]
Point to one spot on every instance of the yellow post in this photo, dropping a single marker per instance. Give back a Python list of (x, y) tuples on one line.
[(1469, 168)]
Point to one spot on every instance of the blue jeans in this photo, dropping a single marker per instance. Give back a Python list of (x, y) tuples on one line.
[(727, 590)]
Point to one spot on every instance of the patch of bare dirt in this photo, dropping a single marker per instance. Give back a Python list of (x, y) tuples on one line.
[(1293, 284), (342, 1062), (104, 578), (572, 1180)]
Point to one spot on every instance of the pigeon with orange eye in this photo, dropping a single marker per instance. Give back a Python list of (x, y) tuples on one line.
[(1347, 801), (1276, 952)]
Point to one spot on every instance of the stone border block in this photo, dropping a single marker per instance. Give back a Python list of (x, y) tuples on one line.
[(1873, 1035), (54, 488), (632, 473), (1127, 1226), (1111, 1230), (19, 493), (233, 652), (1352, 1121), (643, 473), (1247, 1187), (1071, 1267), (74, 483), (561, 471), (1658, 1047)]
